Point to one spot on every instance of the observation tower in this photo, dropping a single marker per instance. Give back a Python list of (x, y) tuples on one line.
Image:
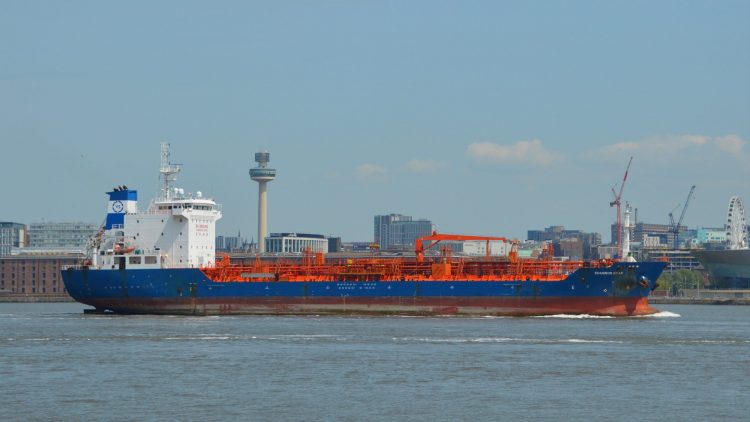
[(262, 174)]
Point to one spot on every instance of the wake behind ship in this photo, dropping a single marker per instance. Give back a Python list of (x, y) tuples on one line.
[(163, 261)]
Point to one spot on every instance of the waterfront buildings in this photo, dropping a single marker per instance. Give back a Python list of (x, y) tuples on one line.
[(651, 236), (36, 275), (479, 247), (233, 243), (334, 244), (607, 251), (60, 236), (357, 247), (296, 243), (399, 232), (710, 235), (677, 259), (574, 244), (32, 259), (12, 235)]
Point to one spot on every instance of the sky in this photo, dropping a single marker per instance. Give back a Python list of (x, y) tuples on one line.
[(486, 117)]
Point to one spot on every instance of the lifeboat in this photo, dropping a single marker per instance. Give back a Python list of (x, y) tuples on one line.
[(121, 248)]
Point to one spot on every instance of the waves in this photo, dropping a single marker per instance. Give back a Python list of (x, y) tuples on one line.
[(469, 340), (277, 337), (574, 316), (306, 338), (662, 314)]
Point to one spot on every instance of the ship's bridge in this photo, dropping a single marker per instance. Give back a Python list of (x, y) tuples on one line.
[(184, 206)]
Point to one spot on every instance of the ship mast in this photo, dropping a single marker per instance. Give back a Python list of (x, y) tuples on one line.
[(616, 203), (167, 172)]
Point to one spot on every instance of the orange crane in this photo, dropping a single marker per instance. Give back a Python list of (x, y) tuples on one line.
[(616, 203), (436, 237)]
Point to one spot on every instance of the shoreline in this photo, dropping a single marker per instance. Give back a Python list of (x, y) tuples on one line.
[(697, 301)]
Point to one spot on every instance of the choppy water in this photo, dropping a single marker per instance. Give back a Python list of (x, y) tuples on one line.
[(687, 363)]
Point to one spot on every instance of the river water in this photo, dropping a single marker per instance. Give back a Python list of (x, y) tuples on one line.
[(689, 362)]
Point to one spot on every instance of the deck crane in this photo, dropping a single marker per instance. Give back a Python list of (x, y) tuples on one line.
[(675, 228), (616, 203), (436, 237)]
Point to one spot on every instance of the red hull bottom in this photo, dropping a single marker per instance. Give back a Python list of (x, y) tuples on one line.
[(464, 306)]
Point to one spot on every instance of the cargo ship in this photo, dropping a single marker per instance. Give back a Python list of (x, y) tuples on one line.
[(163, 261)]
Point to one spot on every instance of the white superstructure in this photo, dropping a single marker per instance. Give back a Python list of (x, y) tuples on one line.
[(177, 231)]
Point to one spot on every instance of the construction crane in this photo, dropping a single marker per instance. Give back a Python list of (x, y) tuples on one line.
[(675, 228), (617, 203)]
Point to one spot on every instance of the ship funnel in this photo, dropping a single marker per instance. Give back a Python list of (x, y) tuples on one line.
[(121, 201)]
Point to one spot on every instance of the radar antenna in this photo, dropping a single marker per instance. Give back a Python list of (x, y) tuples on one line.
[(167, 172)]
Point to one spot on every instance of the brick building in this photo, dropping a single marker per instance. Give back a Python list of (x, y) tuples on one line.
[(34, 274)]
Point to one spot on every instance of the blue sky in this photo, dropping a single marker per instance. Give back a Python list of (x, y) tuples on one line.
[(485, 117)]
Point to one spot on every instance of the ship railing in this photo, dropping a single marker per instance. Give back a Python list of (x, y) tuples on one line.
[(394, 270)]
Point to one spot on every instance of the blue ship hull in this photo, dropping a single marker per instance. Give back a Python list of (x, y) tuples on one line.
[(619, 290)]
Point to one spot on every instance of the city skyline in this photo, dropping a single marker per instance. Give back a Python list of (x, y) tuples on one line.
[(251, 240), (490, 118)]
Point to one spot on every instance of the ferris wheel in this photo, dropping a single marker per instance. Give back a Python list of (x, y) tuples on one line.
[(736, 224)]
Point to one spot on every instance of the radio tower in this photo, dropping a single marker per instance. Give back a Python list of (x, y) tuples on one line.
[(262, 174)]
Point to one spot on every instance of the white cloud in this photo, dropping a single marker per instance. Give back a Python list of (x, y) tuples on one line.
[(667, 145), (425, 166), (522, 152), (732, 144), (370, 171)]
